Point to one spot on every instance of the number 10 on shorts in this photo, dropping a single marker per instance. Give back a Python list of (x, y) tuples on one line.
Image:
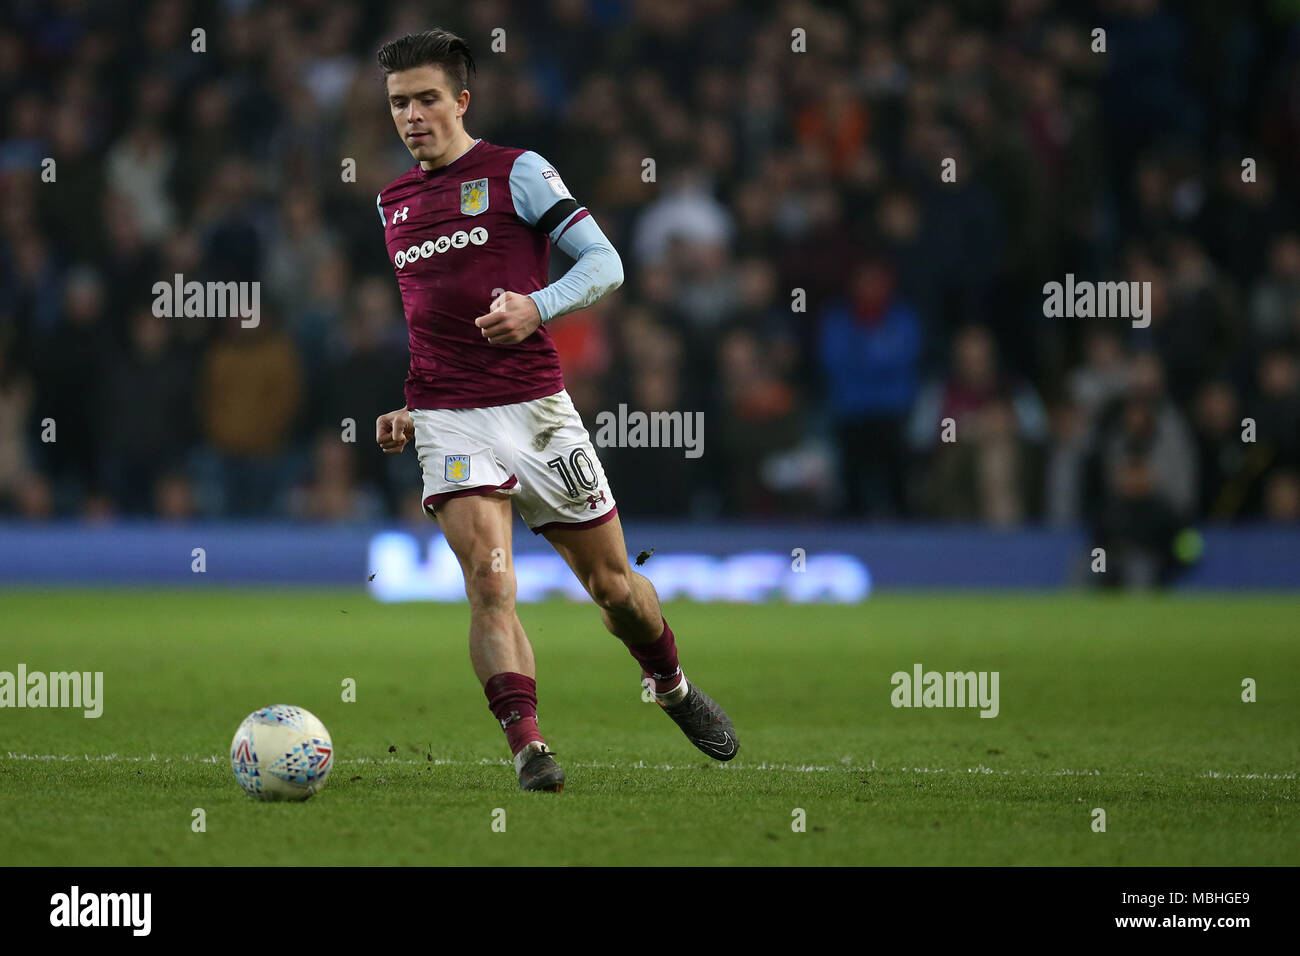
[(578, 466)]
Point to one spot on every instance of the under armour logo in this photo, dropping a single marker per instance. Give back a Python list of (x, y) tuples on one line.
[(507, 721), (401, 214), (592, 499)]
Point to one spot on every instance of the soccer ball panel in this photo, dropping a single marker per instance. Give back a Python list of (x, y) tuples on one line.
[(281, 753)]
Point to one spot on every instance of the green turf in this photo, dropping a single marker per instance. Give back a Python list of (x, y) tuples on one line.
[(1131, 705)]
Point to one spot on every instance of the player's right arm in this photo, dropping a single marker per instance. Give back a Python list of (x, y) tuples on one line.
[(394, 430)]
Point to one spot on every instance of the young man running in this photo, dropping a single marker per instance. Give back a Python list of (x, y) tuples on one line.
[(468, 230)]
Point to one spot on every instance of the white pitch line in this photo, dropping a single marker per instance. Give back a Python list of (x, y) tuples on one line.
[(843, 767)]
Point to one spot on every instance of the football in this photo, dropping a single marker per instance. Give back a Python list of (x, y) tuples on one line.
[(281, 753)]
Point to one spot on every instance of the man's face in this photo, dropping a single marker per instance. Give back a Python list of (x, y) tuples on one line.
[(425, 112)]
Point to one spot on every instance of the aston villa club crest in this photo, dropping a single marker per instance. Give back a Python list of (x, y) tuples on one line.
[(474, 197), (456, 468)]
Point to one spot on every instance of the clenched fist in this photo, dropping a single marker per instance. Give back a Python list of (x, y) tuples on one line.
[(394, 430), (511, 318)]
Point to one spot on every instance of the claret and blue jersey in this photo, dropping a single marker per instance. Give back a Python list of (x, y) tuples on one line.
[(461, 234)]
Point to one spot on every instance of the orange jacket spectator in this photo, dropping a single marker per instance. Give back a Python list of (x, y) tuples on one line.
[(249, 392)]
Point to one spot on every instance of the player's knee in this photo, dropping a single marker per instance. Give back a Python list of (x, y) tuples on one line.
[(489, 590), (611, 589)]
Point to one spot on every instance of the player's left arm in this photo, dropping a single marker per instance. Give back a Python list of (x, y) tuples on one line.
[(542, 200)]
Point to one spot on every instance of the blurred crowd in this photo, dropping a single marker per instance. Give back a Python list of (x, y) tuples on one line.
[(797, 269)]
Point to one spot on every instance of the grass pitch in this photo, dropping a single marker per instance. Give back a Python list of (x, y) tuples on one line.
[(1131, 705)]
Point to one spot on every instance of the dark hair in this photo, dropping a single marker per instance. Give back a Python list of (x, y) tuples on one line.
[(432, 47)]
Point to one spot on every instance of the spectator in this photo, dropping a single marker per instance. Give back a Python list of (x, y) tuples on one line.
[(1229, 467), (139, 441), (687, 213), (1103, 375), (367, 375), (977, 428), (1138, 524), (304, 251), (869, 352), (1277, 407), (174, 498), (331, 492), (1146, 416), (1282, 497), (71, 378), (250, 391), (1275, 301), (140, 164), (16, 394), (760, 417), (1066, 456)]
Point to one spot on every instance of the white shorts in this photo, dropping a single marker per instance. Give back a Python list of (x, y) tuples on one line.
[(537, 452)]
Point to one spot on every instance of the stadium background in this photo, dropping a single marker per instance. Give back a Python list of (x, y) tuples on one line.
[(775, 171)]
